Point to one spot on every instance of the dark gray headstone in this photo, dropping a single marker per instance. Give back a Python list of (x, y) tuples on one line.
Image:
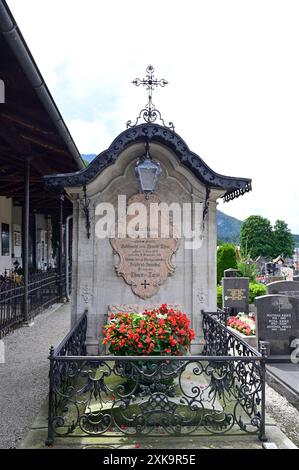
[(235, 293), (290, 288), (296, 278), (274, 279), (231, 272), (277, 318)]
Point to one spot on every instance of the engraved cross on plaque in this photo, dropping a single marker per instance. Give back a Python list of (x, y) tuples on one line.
[(279, 304), (145, 284)]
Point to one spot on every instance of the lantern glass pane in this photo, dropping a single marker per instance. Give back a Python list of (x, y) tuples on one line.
[(147, 178)]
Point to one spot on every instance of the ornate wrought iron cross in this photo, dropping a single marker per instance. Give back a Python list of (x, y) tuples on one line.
[(150, 113), (150, 82)]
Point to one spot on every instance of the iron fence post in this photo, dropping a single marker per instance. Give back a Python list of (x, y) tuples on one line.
[(262, 434), (25, 239), (50, 438)]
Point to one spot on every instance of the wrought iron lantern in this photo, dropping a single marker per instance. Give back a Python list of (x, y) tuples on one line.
[(147, 172)]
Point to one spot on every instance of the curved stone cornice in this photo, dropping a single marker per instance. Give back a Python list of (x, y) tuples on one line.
[(234, 187)]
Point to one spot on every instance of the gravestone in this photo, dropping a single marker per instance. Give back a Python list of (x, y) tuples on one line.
[(273, 279), (296, 278), (231, 272), (277, 318), (288, 273), (235, 294), (290, 288)]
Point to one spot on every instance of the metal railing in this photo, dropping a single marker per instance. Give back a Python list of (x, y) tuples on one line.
[(220, 391), (43, 291), (11, 311)]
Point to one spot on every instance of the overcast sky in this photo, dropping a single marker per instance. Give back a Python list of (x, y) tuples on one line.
[(233, 73)]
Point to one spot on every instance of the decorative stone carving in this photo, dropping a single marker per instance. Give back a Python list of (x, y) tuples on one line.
[(85, 294), (202, 297), (137, 308)]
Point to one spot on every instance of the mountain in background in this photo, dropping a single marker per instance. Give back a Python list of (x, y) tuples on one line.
[(228, 227), (296, 238)]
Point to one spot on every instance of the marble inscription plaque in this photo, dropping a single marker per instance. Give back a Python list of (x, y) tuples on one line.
[(145, 263)]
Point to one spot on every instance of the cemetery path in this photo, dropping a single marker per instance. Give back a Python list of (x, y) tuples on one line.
[(24, 375), (284, 414)]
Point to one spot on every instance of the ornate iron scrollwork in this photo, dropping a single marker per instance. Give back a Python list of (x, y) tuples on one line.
[(85, 204), (220, 391), (149, 113)]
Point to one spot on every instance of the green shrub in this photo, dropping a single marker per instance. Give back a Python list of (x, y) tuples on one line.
[(226, 258), (255, 290), (219, 296), (247, 269)]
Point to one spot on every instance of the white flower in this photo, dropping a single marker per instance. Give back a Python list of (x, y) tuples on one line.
[(159, 315)]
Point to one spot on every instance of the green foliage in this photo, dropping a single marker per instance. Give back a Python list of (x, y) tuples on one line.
[(259, 238), (226, 258), (255, 290), (219, 296), (284, 243), (256, 237), (247, 269)]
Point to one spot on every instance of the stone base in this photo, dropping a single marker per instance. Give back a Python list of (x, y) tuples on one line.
[(250, 340)]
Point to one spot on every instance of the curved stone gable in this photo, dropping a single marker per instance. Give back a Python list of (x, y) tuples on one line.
[(154, 133)]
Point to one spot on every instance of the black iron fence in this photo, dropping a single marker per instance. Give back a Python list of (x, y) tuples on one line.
[(43, 291), (11, 298), (220, 391)]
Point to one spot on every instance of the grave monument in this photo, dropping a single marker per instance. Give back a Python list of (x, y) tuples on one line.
[(144, 224)]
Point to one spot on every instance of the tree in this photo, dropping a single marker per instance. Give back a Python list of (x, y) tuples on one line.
[(247, 268), (226, 258), (257, 237), (284, 243)]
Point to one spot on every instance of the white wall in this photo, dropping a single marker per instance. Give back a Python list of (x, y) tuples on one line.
[(17, 234), (6, 218), (43, 248)]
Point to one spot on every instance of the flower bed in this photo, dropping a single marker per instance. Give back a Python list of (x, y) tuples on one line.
[(243, 323), (162, 331)]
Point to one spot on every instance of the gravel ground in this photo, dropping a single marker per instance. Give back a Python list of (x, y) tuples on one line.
[(284, 414), (24, 376)]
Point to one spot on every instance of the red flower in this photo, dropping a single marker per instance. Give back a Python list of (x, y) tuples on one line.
[(135, 334)]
